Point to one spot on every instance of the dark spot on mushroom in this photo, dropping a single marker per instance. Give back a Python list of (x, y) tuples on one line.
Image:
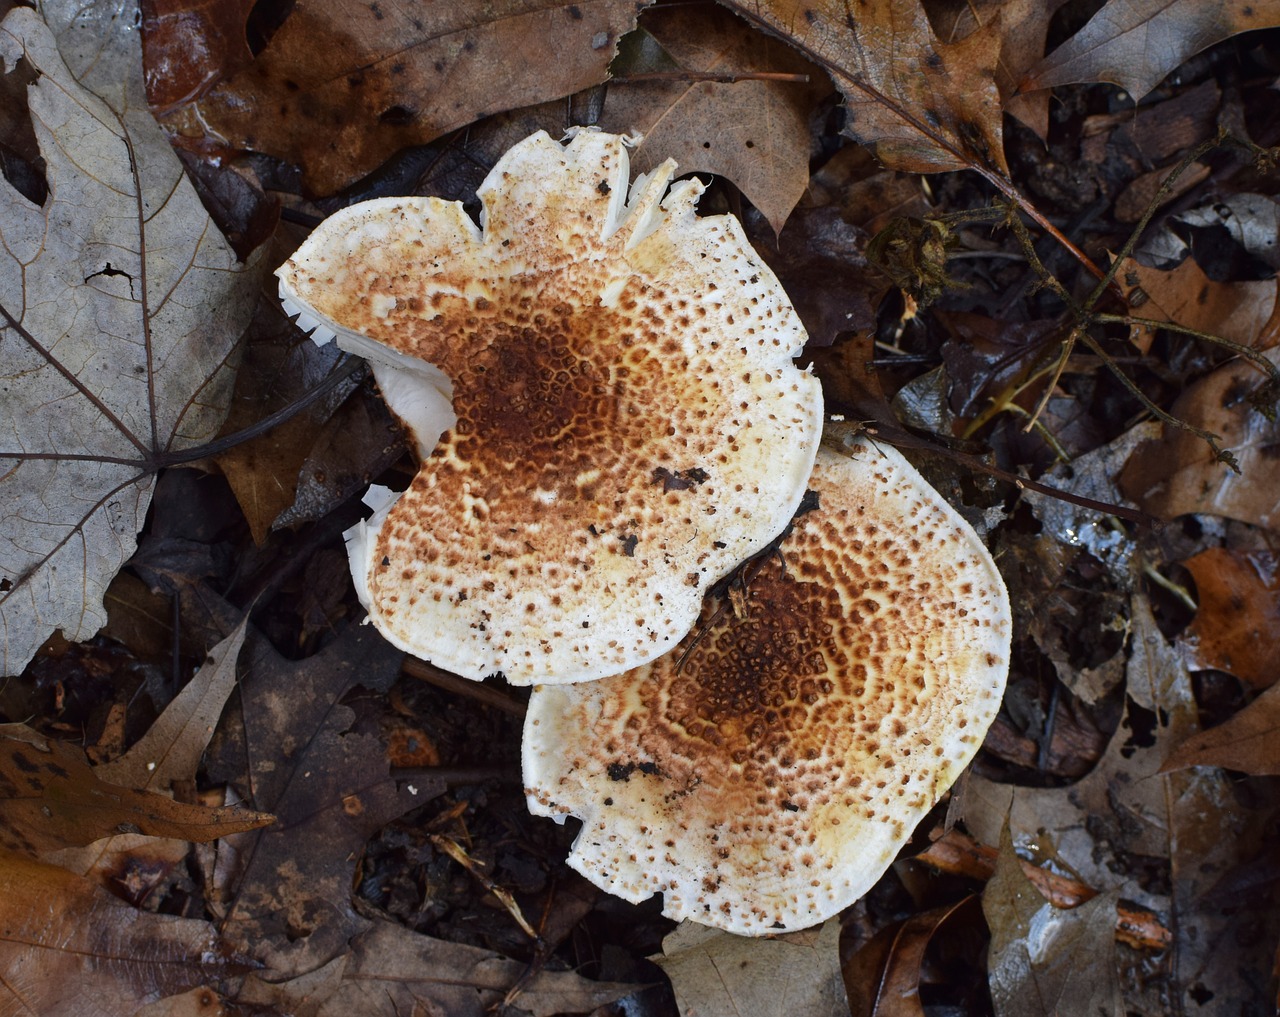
[(603, 187), (629, 545), (791, 806)]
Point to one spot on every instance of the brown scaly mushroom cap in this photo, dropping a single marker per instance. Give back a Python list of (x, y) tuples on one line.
[(629, 424), (764, 774)]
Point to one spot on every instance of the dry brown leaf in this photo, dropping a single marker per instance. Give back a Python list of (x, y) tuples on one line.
[(70, 949), (120, 306), (882, 978), (1023, 25), (920, 105), (1248, 742), (50, 798), (343, 84), (1177, 474), (1135, 43), (717, 974), (170, 751), (1237, 627), (1185, 295), (393, 972), (753, 132), (1188, 826)]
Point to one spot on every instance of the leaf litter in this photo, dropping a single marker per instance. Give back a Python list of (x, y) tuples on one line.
[(1129, 855)]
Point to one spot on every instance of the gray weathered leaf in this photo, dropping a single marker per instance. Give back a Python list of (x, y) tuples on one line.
[(120, 306)]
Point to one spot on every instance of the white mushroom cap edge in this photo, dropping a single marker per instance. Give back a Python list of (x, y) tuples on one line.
[(766, 780), (627, 424)]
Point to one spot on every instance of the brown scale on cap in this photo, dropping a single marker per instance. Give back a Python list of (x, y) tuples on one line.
[(765, 773), (594, 347)]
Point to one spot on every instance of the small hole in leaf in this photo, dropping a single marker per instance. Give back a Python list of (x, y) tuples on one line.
[(396, 115)]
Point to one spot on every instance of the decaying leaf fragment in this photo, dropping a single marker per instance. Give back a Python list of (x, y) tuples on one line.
[(70, 949), (120, 306), (51, 798), (598, 336), (1135, 43)]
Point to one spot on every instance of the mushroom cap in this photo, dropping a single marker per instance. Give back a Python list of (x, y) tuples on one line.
[(764, 774), (629, 424)]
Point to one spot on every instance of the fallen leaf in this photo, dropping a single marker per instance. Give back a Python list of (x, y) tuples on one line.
[(392, 972), (280, 366), (1237, 626), (1043, 959), (190, 45), (717, 974), (1186, 296), (1023, 26), (343, 84), (328, 785), (919, 105), (70, 949), (1188, 827), (1177, 473), (1136, 43), (120, 307), (1247, 742), (51, 798), (170, 751), (752, 132), (882, 979)]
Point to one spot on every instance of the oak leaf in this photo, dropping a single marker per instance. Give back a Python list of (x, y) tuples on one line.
[(51, 798), (1246, 742), (754, 132), (1135, 43), (120, 307), (920, 105)]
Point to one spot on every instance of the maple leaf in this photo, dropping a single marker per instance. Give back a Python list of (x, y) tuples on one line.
[(120, 307)]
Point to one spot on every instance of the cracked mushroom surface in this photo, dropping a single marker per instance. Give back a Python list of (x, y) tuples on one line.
[(764, 774), (626, 425)]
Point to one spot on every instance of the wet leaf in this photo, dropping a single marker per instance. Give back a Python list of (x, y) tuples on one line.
[(716, 974), (343, 84), (70, 949), (51, 798), (1237, 627), (1186, 826), (1135, 43), (753, 132), (1247, 742), (190, 45), (1043, 959), (1177, 474), (920, 105), (120, 307)]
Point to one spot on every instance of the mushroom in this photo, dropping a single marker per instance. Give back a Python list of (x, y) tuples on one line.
[(764, 774), (627, 423)]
